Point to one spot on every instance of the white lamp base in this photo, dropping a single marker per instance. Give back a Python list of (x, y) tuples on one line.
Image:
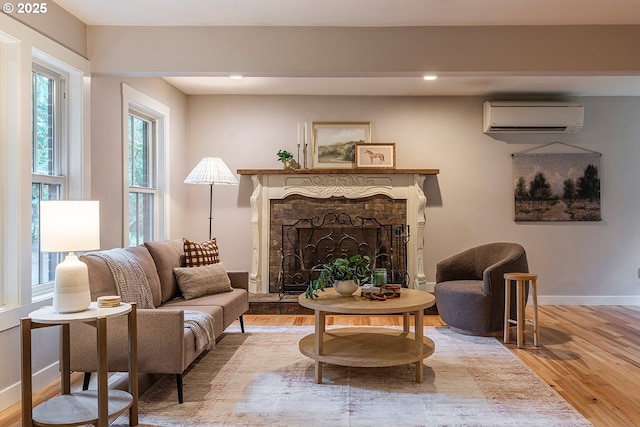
[(71, 290)]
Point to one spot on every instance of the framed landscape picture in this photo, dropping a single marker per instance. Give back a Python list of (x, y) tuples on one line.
[(557, 186), (333, 144), (376, 155)]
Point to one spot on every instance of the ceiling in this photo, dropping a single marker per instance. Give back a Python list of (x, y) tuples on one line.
[(374, 13), (369, 13)]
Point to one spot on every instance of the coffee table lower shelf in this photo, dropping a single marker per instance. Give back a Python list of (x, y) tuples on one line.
[(367, 347)]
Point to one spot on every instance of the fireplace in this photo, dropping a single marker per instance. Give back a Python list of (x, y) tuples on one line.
[(373, 201), (312, 232)]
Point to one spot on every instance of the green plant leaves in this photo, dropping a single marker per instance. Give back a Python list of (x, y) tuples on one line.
[(356, 267)]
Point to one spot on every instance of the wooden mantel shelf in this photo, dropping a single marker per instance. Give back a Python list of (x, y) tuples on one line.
[(351, 171)]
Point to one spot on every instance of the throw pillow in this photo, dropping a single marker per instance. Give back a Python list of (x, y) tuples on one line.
[(201, 254), (209, 279)]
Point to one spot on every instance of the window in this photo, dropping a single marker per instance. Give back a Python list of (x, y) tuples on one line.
[(142, 190), (44, 153), (146, 165), (47, 153)]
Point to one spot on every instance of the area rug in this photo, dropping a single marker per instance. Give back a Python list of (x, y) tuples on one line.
[(261, 379)]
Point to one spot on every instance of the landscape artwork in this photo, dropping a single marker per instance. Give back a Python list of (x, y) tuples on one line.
[(333, 143), (557, 186)]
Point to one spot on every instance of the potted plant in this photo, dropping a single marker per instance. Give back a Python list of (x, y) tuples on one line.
[(286, 158), (344, 274)]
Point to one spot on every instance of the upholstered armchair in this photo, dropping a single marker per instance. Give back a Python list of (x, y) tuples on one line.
[(470, 287)]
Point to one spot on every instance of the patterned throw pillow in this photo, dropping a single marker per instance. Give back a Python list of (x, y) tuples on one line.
[(205, 253)]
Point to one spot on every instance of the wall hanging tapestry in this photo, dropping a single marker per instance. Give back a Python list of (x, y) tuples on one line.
[(557, 186)]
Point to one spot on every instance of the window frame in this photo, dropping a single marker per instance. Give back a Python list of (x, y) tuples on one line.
[(149, 109), (60, 154), (139, 189)]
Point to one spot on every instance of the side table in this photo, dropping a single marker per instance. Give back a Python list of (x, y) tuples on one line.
[(521, 279), (83, 407)]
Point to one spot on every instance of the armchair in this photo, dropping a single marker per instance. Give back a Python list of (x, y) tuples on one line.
[(470, 287)]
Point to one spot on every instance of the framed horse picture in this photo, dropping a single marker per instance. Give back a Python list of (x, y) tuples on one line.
[(376, 155)]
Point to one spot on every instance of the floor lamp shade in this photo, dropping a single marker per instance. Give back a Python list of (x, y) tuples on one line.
[(211, 171), (68, 226)]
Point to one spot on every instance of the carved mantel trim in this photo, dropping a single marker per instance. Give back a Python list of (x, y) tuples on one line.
[(269, 184)]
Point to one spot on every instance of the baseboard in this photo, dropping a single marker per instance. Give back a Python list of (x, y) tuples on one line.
[(429, 286), (12, 394), (588, 300), (575, 299)]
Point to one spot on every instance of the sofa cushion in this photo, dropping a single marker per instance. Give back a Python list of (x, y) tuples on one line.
[(167, 256), (195, 282), (101, 278), (197, 255), (233, 304)]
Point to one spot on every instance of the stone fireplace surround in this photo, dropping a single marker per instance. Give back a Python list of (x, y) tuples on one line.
[(277, 184)]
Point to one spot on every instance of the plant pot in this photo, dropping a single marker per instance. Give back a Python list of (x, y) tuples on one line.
[(287, 164), (345, 287)]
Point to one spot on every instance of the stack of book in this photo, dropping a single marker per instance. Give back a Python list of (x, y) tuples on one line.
[(109, 301)]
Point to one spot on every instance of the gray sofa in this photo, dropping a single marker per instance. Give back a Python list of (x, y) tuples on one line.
[(165, 345), (470, 287)]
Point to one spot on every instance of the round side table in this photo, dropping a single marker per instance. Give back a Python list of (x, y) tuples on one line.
[(84, 407)]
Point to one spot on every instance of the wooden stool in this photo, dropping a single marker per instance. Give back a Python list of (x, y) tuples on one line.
[(521, 300)]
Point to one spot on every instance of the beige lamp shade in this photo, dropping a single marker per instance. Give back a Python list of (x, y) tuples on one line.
[(211, 170), (67, 226)]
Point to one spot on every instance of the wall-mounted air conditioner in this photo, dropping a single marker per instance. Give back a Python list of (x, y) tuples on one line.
[(532, 117)]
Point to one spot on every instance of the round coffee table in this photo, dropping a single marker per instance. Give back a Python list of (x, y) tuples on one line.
[(367, 346)]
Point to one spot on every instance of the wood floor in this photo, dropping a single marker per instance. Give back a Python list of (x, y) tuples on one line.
[(589, 354)]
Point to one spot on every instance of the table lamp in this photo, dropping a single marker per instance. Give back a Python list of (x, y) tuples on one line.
[(211, 170), (67, 226)]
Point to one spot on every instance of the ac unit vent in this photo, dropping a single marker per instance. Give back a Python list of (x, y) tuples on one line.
[(532, 117), (527, 129)]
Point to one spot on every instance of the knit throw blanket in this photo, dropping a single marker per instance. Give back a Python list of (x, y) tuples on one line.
[(201, 324), (131, 282), (132, 285)]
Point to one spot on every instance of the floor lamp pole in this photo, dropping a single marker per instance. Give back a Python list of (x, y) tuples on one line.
[(210, 208)]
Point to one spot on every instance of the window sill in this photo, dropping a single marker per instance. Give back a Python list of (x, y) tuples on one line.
[(10, 316)]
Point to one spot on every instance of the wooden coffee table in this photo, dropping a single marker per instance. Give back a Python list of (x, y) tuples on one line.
[(366, 346)]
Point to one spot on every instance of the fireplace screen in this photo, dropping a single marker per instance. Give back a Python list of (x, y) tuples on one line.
[(309, 243)]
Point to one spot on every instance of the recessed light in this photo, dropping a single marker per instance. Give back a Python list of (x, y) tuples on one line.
[(235, 76), (430, 77)]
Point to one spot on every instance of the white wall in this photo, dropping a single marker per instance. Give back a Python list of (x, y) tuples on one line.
[(58, 25), (470, 202), (107, 151)]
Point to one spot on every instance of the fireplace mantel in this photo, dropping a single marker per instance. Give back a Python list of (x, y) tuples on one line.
[(344, 171), (269, 184)]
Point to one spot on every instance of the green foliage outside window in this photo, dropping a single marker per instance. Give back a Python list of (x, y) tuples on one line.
[(43, 121), (45, 152), (141, 197)]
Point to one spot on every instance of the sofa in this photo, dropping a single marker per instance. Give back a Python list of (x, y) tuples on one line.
[(166, 345), (470, 287)]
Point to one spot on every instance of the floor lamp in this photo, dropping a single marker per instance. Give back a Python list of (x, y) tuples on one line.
[(211, 170)]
